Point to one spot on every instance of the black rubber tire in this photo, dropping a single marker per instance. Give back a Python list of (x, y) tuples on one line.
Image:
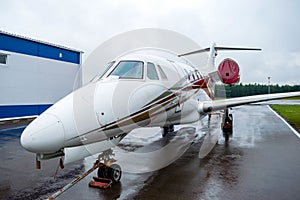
[(171, 128), (103, 172), (165, 131), (115, 173)]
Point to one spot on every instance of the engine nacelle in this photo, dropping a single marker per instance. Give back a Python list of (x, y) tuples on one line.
[(228, 71)]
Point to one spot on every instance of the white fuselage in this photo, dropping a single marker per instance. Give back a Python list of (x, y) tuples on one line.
[(136, 91)]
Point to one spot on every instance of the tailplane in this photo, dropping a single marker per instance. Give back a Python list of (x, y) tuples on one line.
[(213, 52)]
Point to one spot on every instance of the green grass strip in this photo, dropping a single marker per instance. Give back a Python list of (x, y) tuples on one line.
[(291, 113), (292, 98)]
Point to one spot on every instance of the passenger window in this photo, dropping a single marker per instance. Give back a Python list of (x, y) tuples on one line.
[(151, 71), (199, 75), (194, 77), (129, 70), (162, 73)]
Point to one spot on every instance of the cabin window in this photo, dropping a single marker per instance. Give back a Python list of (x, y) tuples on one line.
[(151, 72), (3, 58), (199, 75), (194, 77), (162, 73), (128, 70)]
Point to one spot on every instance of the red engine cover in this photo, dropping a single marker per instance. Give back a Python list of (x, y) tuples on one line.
[(229, 71)]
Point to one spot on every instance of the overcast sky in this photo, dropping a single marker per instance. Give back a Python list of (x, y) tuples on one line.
[(271, 25)]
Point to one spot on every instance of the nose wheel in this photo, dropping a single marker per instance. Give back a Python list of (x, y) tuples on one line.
[(112, 172), (115, 172), (107, 168)]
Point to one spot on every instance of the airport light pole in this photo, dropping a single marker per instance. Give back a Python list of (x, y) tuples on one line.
[(269, 83)]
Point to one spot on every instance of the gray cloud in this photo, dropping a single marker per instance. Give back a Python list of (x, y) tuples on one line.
[(271, 25)]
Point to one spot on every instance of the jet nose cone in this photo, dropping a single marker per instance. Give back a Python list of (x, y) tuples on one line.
[(44, 135)]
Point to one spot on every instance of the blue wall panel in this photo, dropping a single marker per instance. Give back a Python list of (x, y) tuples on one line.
[(34, 48), (9, 43), (47, 51), (22, 110)]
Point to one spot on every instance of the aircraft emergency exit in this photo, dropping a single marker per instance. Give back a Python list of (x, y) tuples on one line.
[(137, 89)]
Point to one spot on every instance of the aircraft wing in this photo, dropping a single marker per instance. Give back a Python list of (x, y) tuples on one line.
[(16, 122), (210, 106)]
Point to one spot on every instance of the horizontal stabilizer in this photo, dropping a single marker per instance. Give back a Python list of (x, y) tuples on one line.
[(220, 48)]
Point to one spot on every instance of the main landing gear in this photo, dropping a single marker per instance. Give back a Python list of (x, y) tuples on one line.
[(167, 129), (107, 168), (227, 125)]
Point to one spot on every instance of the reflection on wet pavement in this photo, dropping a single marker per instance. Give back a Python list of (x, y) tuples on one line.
[(212, 132)]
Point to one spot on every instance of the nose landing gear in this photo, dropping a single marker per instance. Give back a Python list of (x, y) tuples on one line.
[(107, 167), (108, 172), (112, 172)]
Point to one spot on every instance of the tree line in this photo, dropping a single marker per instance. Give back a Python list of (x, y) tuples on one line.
[(240, 90)]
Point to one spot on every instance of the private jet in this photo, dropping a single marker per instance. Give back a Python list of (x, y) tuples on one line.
[(142, 88)]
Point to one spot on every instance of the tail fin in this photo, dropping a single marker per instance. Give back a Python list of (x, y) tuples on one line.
[(214, 75)]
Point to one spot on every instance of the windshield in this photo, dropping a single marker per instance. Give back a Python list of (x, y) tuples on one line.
[(103, 71), (129, 70)]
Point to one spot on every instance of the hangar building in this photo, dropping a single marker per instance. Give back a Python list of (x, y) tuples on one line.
[(34, 75)]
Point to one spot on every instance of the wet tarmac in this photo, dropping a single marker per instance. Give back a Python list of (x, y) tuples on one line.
[(261, 161)]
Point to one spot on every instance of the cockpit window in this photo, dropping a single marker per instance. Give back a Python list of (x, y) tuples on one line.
[(128, 70), (151, 71), (103, 71)]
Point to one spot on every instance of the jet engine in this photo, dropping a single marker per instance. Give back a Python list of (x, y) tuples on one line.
[(228, 71)]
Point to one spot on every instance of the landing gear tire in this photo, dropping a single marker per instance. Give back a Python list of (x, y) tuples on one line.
[(167, 129), (115, 173), (103, 171), (112, 172), (227, 125)]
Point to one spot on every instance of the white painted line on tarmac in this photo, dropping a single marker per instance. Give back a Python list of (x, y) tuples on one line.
[(294, 131)]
